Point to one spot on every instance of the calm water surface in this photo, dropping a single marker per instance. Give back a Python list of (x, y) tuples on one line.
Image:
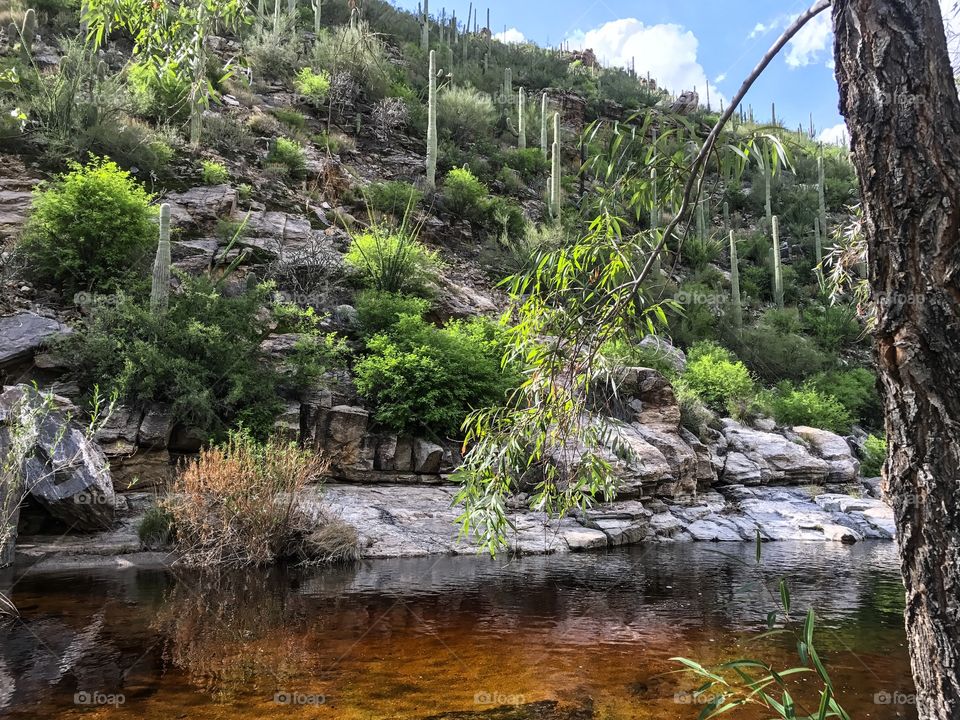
[(581, 636)]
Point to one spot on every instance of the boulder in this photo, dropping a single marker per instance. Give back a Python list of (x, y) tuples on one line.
[(118, 434), (341, 434), (427, 457), (664, 349), (63, 469), (755, 457), (23, 334), (202, 205), (833, 449), (649, 398), (156, 427)]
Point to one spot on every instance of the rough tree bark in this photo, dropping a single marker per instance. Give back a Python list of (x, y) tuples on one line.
[(898, 96)]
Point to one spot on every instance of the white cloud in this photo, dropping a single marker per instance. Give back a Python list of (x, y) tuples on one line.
[(720, 78), (512, 36), (813, 39), (762, 29), (667, 51), (836, 135)]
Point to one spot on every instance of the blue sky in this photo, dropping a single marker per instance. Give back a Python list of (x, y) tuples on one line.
[(685, 43)]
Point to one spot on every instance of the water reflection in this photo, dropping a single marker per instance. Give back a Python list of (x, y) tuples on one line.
[(566, 636)]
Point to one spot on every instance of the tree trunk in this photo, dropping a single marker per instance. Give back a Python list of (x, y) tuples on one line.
[(898, 96)]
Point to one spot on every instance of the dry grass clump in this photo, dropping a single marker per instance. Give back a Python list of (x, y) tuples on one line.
[(238, 504)]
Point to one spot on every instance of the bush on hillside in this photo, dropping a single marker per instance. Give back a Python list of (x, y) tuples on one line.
[(465, 115), (392, 260), (378, 311), (856, 390), (213, 173), (806, 405), (312, 86), (89, 228), (203, 357), (422, 378), (529, 162), (716, 376), (872, 456), (289, 155), (355, 51), (464, 194), (395, 197)]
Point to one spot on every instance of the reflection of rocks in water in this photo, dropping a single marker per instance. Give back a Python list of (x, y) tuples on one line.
[(6, 685), (37, 655), (235, 632), (545, 710)]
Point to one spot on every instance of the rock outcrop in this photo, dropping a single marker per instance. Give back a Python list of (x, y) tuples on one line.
[(22, 335), (755, 457), (61, 468)]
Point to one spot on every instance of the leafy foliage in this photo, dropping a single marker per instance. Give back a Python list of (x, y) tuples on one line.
[(716, 376), (203, 357), (394, 197), (420, 377), (378, 311), (214, 173), (873, 455), (463, 193), (312, 86), (806, 405), (89, 228), (289, 154), (465, 114), (392, 260)]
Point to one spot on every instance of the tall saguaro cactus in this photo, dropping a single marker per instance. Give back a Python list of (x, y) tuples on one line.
[(767, 202), (777, 266), (425, 27), (736, 308), (555, 169), (317, 13), (160, 286), (821, 193), (522, 119), (543, 124), (432, 124), (508, 84)]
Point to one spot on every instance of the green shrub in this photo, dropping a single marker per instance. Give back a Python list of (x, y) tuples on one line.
[(505, 218), (358, 52), (288, 154), (314, 87), (394, 197), (392, 260), (419, 377), (214, 173), (834, 327), (529, 162), (378, 311), (807, 405), (203, 357), (856, 390), (632, 354), (293, 119), (89, 227), (465, 114), (872, 456), (272, 56), (156, 528), (159, 95), (464, 194), (715, 376), (129, 142)]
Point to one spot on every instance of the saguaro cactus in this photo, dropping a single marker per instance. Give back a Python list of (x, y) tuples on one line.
[(821, 193), (555, 169), (522, 119), (432, 124), (543, 124), (425, 27), (736, 309), (508, 84), (767, 203), (160, 287), (317, 13), (777, 266)]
